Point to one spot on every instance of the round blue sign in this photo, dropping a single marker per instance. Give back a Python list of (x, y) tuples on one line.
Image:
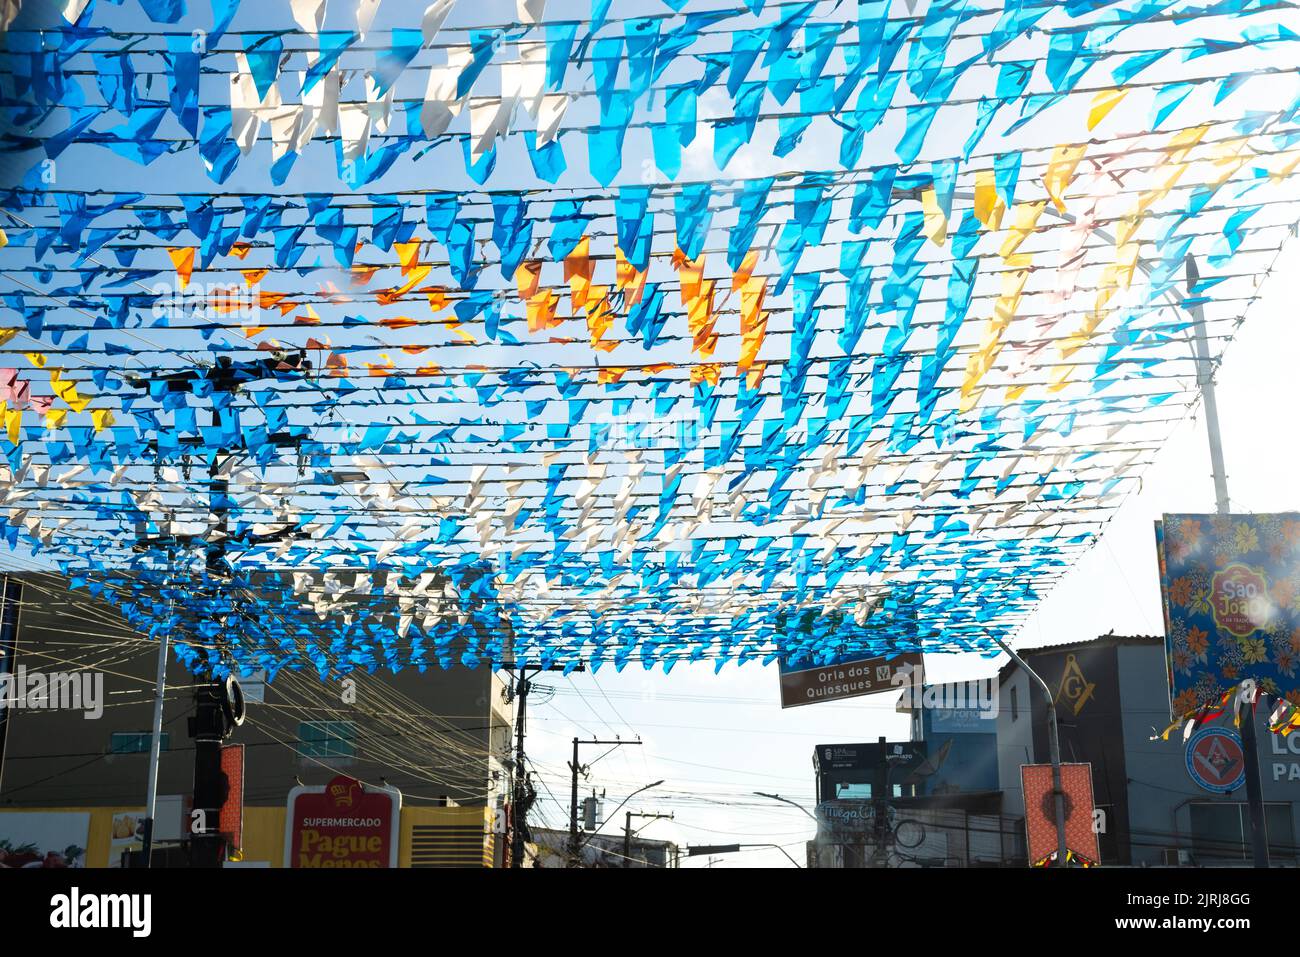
[(1215, 760)]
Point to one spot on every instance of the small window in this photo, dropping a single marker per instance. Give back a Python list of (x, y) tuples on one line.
[(136, 742), (327, 739), (1015, 703)]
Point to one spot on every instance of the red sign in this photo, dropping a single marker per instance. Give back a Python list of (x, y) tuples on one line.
[(1040, 811), (1240, 599), (343, 824), (231, 822)]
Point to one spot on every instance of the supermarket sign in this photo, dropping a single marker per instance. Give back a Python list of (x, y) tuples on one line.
[(342, 824)]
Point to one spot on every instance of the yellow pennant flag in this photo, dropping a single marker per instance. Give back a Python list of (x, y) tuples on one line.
[(1103, 103), (988, 204), (936, 222), (1004, 311), (1060, 171), (103, 418), (13, 422), (1026, 219)]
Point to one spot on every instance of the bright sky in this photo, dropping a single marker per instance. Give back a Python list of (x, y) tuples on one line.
[(715, 739)]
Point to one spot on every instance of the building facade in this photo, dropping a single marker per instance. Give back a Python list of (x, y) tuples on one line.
[(440, 737), (1161, 802)]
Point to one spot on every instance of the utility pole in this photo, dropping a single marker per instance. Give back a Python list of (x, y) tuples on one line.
[(210, 726), (11, 594), (1205, 381), (575, 846), (627, 833), (522, 789), (155, 742)]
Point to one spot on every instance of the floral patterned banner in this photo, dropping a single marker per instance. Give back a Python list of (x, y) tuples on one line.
[(1231, 589)]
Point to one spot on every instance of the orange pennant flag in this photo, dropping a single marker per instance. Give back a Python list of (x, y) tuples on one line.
[(753, 322), (628, 279), (527, 277), (690, 275), (578, 270), (408, 254), (541, 311), (700, 319), (600, 316), (183, 260), (741, 276)]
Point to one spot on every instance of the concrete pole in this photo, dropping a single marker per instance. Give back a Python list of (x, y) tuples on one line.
[(1205, 382), (1053, 748)]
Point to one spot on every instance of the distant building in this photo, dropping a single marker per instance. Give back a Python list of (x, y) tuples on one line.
[(958, 799), (902, 804), (1111, 697), (441, 737), (551, 849)]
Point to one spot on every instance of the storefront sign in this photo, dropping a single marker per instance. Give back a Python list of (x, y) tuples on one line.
[(342, 824)]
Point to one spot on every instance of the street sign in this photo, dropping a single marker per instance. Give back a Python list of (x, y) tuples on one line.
[(1215, 760), (847, 678)]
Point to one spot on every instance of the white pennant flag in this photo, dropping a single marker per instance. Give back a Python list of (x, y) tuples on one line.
[(247, 109), (523, 81), (381, 107), (284, 131), (530, 11), (308, 14), (73, 9), (354, 127), (549, 117), (366, 11), (441, 104), (435, 14)]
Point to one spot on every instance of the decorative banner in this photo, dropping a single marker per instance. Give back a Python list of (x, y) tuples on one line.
[(342, 824), (1040, 812), (1215, 760), (1231, 590), (638, 409)]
